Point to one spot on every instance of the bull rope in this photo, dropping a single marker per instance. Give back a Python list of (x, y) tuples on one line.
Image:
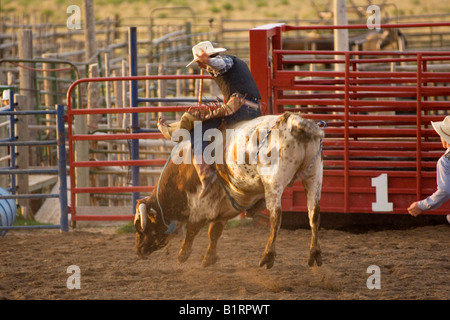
[(172, 226), (233, 201), (267, 135)]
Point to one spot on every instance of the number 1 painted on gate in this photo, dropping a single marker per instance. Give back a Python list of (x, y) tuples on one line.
[(381, 203)]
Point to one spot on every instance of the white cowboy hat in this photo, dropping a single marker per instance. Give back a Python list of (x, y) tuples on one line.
[(443, 128), (205, 46), (6, 95)]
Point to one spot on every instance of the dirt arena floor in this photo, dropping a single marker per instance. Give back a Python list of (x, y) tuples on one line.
[(414, 264)]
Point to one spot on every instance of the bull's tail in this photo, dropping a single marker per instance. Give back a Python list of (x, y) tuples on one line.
[(301, 128)]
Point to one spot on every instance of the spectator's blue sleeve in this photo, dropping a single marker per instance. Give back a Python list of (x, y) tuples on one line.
[(442, 193)]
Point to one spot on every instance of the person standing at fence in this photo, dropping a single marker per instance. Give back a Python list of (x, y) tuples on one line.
[(240, 96), (442, 194)]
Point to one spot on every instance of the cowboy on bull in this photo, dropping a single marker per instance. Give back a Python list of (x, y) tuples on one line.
[(241, 102)]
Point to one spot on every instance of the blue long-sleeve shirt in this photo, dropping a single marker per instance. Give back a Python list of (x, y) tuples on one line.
[(219, 65), (442, 194)]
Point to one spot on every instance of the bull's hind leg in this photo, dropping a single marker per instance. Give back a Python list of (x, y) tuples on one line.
[(273, 201), (186, 247), (214, 233), (315, 253), (313, 187)]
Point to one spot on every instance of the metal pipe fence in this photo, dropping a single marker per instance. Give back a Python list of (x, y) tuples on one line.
[(12, 170)]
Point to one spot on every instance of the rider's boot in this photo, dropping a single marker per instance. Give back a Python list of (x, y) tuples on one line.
[(186, 122)]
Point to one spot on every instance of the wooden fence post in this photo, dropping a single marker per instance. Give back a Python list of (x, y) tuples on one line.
[(26, 78), (90, 43), (49, 98), (94, 98), (94, 101), (119, 104), (340, 35)]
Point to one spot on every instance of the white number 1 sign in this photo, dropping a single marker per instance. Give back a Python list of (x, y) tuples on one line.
[(381, 203)]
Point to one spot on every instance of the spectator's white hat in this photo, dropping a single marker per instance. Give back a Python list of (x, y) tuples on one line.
[(205, 46), (443, 128), (6, 95)]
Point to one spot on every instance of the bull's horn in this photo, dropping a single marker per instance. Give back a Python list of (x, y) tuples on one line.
[(143, 215)]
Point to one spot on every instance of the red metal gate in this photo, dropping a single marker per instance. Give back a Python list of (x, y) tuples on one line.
[(380, 150), (99, 213)]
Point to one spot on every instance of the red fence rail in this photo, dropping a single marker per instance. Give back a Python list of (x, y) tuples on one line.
[(380, 150)]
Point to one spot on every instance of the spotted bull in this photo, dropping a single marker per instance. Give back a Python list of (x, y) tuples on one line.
[(248, 185)]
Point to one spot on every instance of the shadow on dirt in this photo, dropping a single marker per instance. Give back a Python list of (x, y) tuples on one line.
[(362, 223)]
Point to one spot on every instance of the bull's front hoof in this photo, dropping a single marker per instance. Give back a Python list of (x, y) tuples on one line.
[(209, 260), (268, 260), (183, 255), (315, 256)]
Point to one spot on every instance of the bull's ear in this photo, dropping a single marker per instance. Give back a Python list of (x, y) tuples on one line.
[(152, 215)]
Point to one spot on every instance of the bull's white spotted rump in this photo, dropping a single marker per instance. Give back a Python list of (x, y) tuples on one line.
[(289, 148)]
